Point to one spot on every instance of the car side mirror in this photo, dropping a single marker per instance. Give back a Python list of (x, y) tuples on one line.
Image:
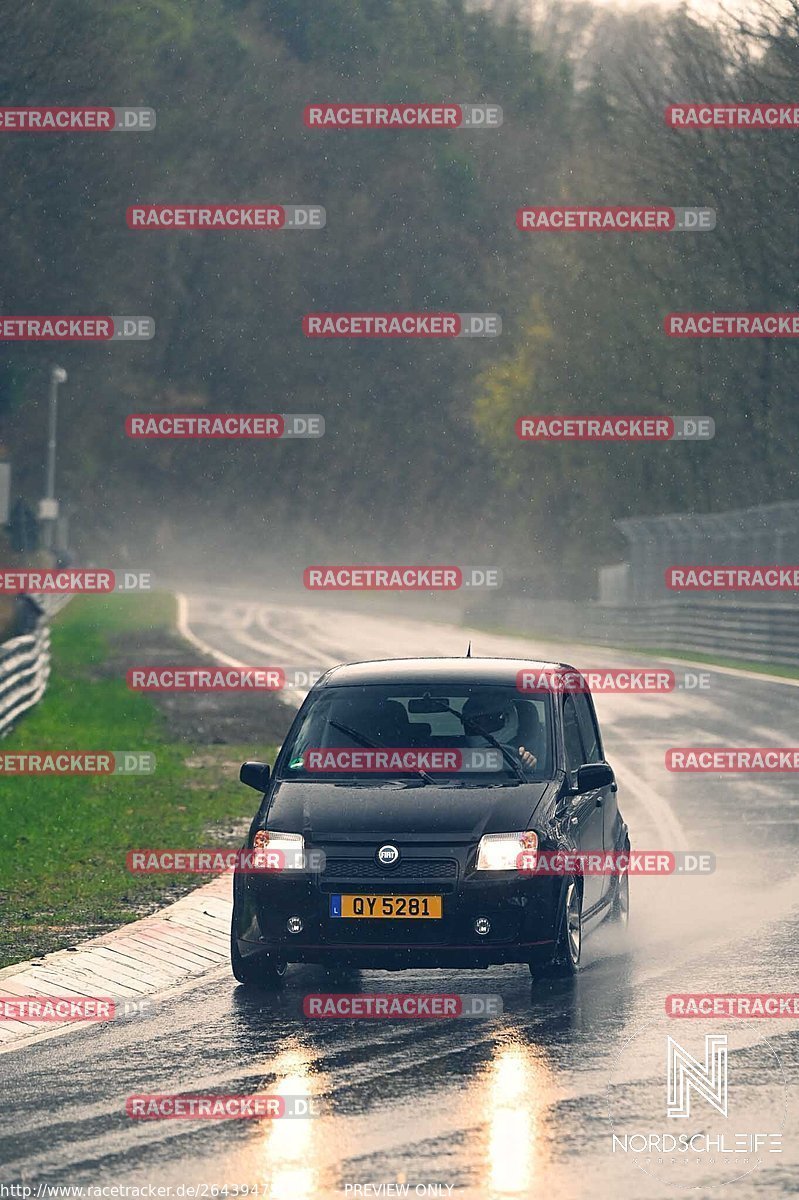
[(255, 775), (594, 775)]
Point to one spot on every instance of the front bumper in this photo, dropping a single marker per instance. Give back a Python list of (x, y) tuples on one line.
[(521, 912)]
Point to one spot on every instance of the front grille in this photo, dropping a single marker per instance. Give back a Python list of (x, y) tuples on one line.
[(407, 868)]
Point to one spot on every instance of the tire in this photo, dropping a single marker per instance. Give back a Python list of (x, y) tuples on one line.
[(260, 971), (620, 907), (569, 942)]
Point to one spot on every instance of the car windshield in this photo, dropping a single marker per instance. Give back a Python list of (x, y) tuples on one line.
[(475, 733)]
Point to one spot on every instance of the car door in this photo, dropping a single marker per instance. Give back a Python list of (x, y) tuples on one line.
[(587, 816), (592, 740)]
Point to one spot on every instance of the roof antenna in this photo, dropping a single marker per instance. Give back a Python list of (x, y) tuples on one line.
[(469, 650)]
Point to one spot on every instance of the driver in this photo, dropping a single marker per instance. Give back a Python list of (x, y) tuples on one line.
[(497, 714)]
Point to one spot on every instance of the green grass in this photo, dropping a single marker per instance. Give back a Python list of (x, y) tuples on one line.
[(63, 841), (716, 660)]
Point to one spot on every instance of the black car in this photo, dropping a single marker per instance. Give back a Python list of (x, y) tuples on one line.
[(399, 805)]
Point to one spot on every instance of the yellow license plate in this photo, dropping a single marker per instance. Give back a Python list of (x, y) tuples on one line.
[(414, 908)]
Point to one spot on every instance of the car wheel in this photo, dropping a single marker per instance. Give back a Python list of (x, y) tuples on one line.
[(260, 971), (569, 944), (620, 908)]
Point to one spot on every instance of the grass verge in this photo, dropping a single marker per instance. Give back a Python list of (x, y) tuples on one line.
[(716, 660), (63, 840)]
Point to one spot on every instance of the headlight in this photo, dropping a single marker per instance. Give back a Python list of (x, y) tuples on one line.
[(500, 851), (280, 851)]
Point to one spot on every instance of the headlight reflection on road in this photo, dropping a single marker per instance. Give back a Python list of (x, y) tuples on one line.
[(518, 1089), (284, 1155)]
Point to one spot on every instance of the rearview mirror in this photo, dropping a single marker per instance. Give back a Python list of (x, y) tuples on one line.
[(428, 704), (255, 775), (594, 775)]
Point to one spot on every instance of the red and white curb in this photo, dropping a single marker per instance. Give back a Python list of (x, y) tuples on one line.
[(183, 940)]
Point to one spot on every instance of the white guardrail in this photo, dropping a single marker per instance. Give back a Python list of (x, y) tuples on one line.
[(24, 671), (25, 666)]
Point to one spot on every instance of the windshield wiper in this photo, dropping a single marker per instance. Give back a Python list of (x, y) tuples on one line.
[(464, 783), (506, 754), (492, 741), (362, 740)]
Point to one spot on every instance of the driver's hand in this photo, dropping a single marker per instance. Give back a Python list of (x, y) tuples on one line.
[(527, 757)]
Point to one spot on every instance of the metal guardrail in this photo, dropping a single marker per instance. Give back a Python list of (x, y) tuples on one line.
[(765, 633), (24, 671), (53, 604)]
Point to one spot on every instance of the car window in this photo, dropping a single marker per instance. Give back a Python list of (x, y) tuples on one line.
[(410, 717), (588, 728), (575, 752), (432, 724)]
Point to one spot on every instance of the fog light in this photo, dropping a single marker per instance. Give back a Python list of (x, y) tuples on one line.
[(294, 924), (482, 926)]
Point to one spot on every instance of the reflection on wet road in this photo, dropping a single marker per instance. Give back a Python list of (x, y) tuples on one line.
[(504, 1107)]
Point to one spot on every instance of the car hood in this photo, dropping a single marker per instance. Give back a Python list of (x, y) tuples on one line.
[(327, 812)]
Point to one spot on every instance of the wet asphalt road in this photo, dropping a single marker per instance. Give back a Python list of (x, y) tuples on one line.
[(512, 1106)]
